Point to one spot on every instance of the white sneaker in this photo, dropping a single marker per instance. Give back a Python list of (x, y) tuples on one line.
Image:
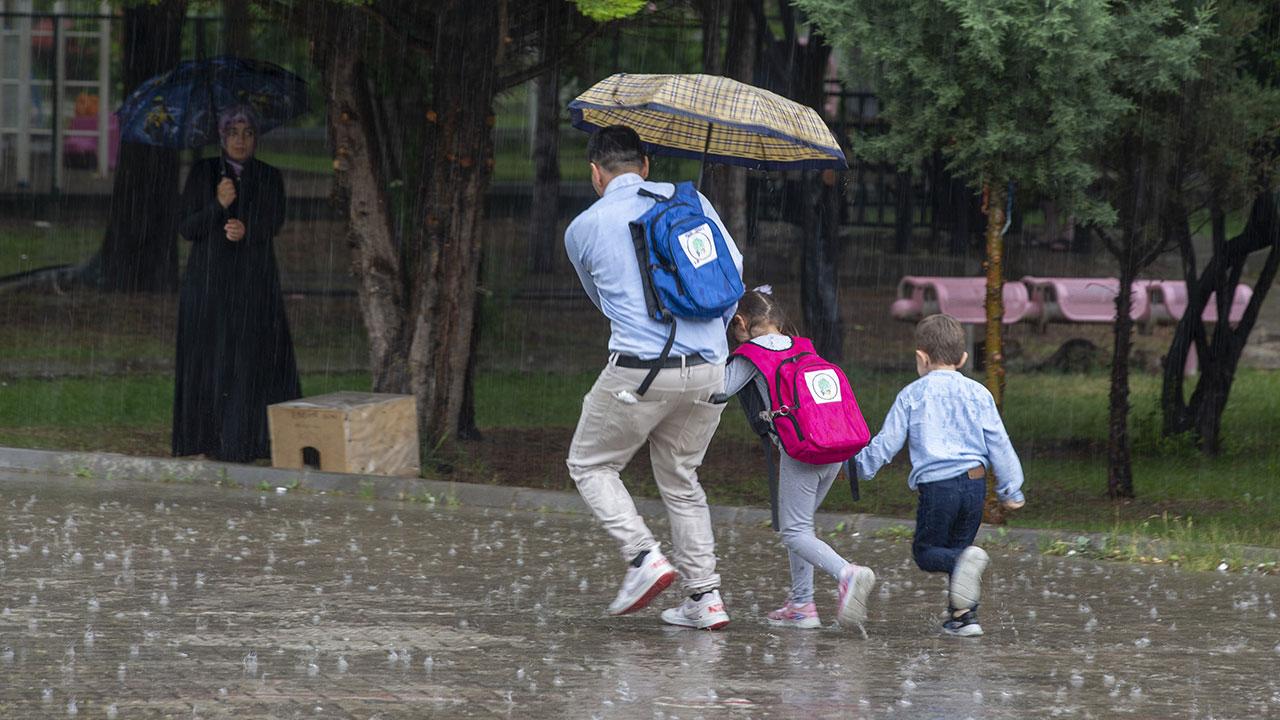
[(966, 578), (706, 613), (642, 584), (855, 587)]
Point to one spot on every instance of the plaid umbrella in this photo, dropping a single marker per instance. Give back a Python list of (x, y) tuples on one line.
[(713, 119)]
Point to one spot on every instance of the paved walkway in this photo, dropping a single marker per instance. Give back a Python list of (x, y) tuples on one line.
[(158, 600)]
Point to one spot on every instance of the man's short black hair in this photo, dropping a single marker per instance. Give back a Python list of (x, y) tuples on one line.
[(616, 148)]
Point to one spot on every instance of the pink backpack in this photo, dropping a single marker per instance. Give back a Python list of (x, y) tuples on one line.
[(811, 406)]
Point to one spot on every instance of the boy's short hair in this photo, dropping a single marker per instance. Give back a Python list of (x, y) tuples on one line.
[(941, 338), (616, 148)]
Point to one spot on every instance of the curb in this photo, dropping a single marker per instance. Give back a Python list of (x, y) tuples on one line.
[(113, 466)]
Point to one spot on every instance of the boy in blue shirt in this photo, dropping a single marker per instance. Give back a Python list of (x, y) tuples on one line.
[(955, 432)]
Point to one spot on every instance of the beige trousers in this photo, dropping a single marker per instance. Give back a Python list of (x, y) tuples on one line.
[(676, 420)]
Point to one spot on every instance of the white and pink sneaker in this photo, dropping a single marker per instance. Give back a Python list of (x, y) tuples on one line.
[(642, 584), (705, 613), (855, 587), (804, 617)]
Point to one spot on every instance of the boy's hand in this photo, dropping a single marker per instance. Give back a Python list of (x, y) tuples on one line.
[(1012, 504)]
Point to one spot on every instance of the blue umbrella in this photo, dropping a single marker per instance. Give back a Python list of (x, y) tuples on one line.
[(179, 109)]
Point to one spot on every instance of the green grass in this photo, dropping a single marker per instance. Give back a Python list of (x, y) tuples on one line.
[(1200, 508), (26, 246), (322, 164)]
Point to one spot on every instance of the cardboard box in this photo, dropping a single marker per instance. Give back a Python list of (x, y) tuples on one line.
[(349, 432)]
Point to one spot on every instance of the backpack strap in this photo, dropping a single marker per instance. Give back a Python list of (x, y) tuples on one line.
[(640, 240), (662, 359), (641, 243), (645, 192)]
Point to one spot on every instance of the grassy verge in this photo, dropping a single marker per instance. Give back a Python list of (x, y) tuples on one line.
[(1058, 424)]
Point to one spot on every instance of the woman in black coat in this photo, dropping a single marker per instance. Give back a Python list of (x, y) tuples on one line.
[(235, 355)]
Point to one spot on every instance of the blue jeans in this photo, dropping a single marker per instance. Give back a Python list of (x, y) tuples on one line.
[(947, 521)]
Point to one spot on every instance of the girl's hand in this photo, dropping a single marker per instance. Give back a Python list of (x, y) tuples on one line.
[(226, 192), (234, 229), (1013, 504)]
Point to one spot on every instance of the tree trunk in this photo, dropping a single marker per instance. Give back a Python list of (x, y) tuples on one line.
[(1119, 464), (1219, 355), (237, 26), (820, 267), (902, 220), (993, 350), (545, 210), (139, 252), (360, 191), (445, 277), (728, 184)]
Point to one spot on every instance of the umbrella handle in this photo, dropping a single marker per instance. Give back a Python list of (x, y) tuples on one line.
[(226, 173), (705, 148)]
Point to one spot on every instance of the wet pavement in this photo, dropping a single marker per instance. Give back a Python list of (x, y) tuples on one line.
[(153, 600)]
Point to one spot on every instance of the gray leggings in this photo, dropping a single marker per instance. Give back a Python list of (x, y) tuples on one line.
[(801, 489)]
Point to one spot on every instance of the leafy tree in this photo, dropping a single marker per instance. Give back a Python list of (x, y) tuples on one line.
[(1141, 172), (1013, 93), (410, 117)]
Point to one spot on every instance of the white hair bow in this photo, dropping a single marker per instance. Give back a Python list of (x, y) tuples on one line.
[(763, 289)]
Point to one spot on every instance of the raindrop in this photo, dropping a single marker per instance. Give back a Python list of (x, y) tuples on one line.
[(342, 664), (112, 712), (428, 664), (72, 709), (46, 695)]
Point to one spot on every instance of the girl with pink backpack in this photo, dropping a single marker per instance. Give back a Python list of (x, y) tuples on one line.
[(805, 407)]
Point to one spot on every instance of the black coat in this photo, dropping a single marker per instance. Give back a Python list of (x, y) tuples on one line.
[(235, 355)]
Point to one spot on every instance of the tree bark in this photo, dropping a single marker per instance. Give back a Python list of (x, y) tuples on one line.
[(1119, 461), (360, 192), (445, 276), (139, 252), (545, 211), (993, 347)]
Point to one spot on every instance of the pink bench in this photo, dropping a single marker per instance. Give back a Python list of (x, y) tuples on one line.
[(82, 145), (1169, 302), (963, 298), (1082, 300)]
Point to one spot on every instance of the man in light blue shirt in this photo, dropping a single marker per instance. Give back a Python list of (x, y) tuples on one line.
[(955, 432), (674, 416)]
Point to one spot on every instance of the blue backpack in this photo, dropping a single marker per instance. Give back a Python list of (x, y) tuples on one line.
[(685, 264)]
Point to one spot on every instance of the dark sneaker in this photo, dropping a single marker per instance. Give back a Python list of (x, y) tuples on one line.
[(965, 625)]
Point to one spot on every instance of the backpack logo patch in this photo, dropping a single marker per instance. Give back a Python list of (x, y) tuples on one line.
[(824, 386), (699, 245)]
